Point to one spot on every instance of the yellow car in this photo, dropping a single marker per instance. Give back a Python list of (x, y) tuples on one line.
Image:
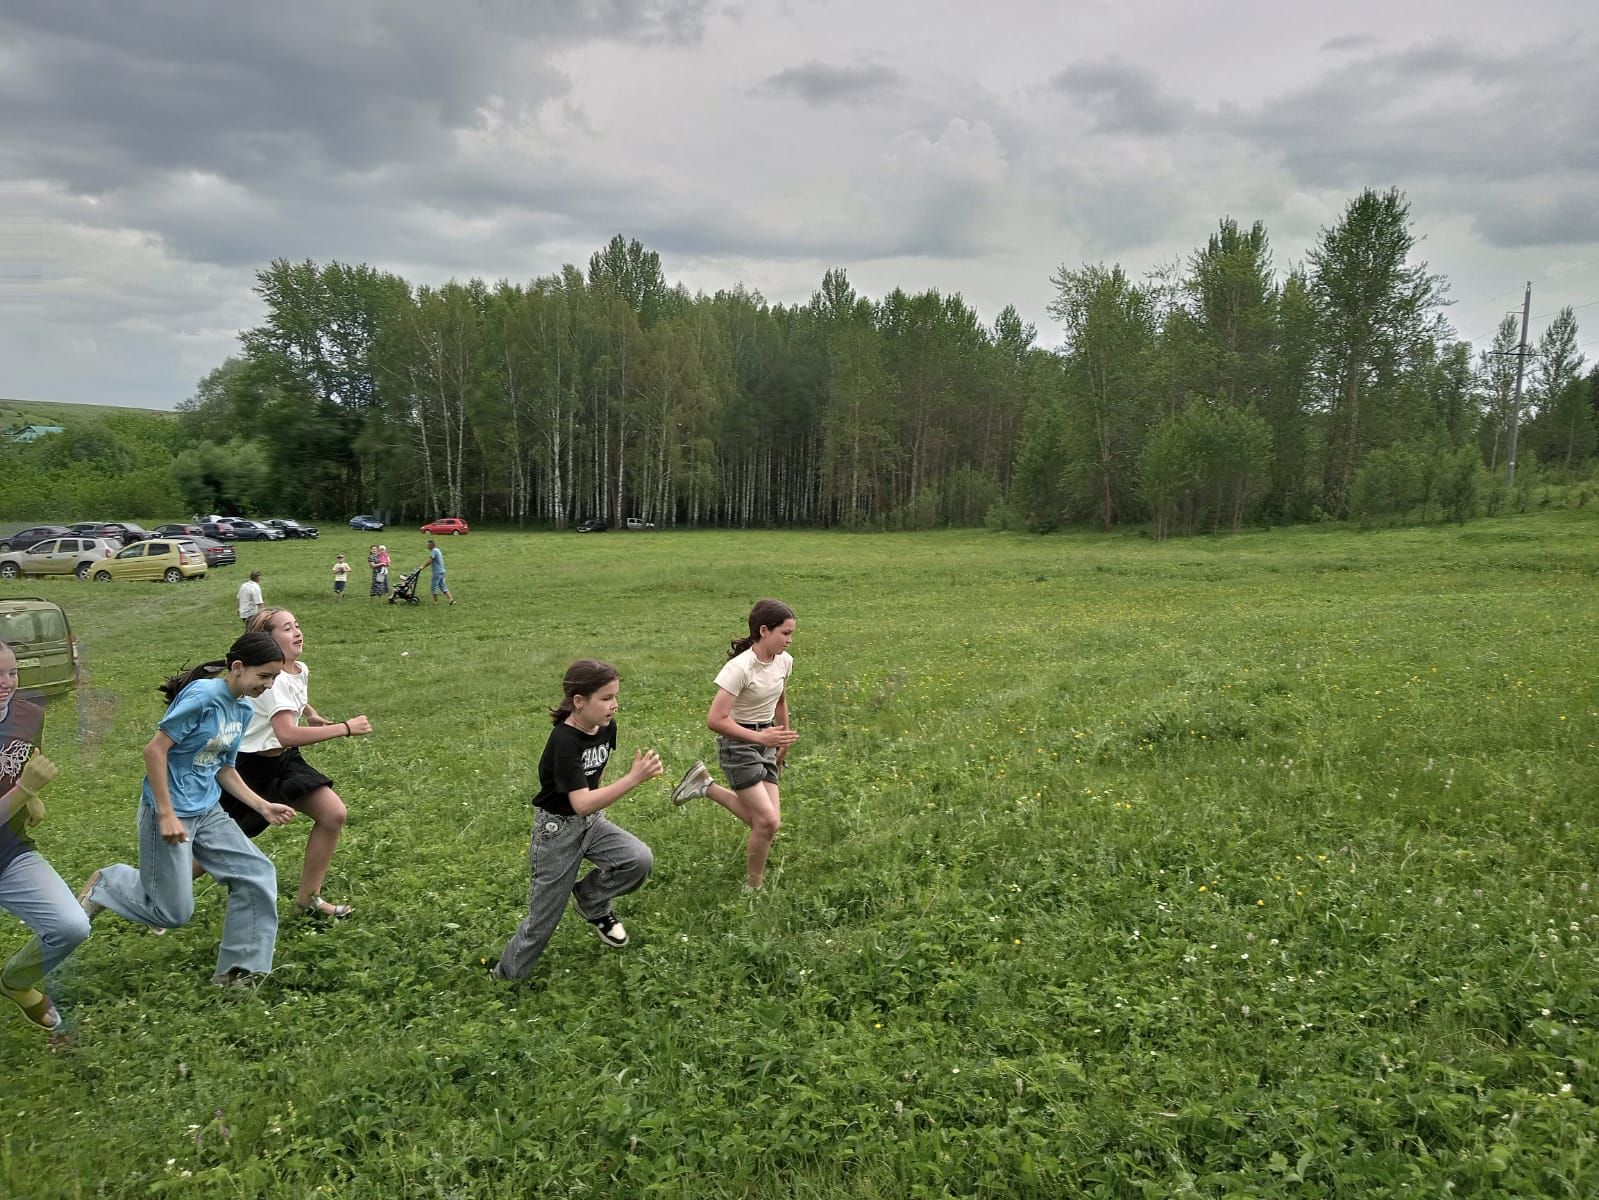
[(173, 561)]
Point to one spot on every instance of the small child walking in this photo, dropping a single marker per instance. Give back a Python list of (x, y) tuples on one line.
[(751, 721), (570, 824), (341, 576)]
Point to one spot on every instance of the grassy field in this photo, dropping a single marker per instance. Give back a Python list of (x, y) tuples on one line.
[(1239, 867), (49, 412)]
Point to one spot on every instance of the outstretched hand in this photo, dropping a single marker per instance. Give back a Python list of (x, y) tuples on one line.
[(776, 736), (358, 725), (646, 765)]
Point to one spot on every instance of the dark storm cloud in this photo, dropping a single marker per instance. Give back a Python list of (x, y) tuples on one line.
[(821, 83), (107, 96), (1122, 98)]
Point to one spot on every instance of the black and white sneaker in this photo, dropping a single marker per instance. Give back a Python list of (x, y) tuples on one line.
[(610, 931)]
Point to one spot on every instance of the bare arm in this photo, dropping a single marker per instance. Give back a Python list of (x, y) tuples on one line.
[(155, 770), (233, 785), (319, 730), (646, 765), (720, 720)]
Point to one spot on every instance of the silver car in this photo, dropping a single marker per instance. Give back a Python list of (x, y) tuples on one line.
[(58, 556)]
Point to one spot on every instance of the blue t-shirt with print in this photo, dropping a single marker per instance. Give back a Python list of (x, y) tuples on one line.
[(206, 724)]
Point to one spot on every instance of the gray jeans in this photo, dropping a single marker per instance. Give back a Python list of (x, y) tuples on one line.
[(560, 844)]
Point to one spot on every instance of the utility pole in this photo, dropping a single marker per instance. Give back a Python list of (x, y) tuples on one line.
[(1515, 406)]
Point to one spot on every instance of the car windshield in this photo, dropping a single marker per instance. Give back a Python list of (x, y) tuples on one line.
[(30, 625)]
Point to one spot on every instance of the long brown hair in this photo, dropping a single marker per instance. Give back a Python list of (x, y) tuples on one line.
[(770, 613), (583, 678)]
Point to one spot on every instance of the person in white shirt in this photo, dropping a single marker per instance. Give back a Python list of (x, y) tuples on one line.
[(250, 598), (750, 718)]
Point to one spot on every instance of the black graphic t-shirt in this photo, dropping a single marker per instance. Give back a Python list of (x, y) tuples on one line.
[(21, 729), (572, 759)]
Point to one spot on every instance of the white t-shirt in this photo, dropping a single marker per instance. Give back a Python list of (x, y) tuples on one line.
[(288, 693), (756, 686), (249, 599)]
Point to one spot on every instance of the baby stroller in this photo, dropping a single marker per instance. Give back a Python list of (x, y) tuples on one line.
[(406, 589)]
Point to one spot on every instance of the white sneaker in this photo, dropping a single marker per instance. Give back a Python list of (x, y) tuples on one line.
[(695, 784), (611, 931), (91, 908)]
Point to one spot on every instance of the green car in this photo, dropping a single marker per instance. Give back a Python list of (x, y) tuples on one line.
[(38, 634)]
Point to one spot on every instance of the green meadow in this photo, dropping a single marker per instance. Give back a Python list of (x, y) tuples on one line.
[(1249, 866)]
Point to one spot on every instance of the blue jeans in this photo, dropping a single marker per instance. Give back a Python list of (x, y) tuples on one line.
[(31, 891), (161, 891)]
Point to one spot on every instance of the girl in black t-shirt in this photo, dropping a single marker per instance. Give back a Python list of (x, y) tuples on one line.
[(569, 824)]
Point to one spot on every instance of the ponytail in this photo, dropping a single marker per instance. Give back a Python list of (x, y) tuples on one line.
[(770, 613), (583, 678), (252, 650)]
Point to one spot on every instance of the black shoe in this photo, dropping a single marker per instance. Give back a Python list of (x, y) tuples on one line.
[(610, 931)]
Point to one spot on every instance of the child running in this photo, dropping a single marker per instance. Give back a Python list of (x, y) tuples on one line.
[(188, 764), (569, 825), (30, 889), (271, 765), (751, 721)]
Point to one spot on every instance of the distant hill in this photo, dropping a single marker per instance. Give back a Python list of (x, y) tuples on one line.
[(46, 412)]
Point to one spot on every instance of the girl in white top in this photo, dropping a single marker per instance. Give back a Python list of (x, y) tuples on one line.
[(750, 718), (270, 761)]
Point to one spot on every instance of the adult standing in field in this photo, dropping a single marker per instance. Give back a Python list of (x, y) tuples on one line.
[(30, 889), (436, 564), (189, 762), (271, 765), (570, 825), (250, 598), (750, 718), (377, 558)]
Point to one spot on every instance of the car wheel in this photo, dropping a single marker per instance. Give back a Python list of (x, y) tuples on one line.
[(173, 575), (9, 570), (83, 571), (102, 576)]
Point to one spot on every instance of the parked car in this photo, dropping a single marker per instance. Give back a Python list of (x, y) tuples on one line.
[(58, 556), (179, 531), (41, 637), (639, 523), (127, 531), (97, 529), (453, 526), (593, 525), (292, 529), (217, 554), (221, 528), (24, 538), (246, 530), (163, 558), (367, 523)]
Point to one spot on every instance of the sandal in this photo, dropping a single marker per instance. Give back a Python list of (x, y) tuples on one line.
[(41, 1010), (334, 912)]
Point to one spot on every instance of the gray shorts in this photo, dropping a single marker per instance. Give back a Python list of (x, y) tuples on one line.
[(745, 763)]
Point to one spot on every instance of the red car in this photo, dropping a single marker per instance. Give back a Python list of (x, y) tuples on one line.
[(444, 525)]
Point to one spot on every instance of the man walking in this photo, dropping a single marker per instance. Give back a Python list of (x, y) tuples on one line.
[(436, 562), (250, 598)]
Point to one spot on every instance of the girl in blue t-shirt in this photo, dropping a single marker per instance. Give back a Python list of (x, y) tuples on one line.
[(188, 763), (569, 823)]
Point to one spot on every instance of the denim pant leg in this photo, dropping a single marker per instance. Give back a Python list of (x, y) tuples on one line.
[(160, 892), (250, 930), (621, 864), (31, 890), (555, 853)]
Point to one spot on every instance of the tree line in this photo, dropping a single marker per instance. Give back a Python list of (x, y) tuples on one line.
[(1211, 393)]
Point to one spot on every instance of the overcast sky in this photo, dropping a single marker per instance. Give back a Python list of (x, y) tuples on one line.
[(155, 153)]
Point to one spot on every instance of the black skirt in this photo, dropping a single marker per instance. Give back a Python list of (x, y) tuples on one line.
[(281, 778)]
